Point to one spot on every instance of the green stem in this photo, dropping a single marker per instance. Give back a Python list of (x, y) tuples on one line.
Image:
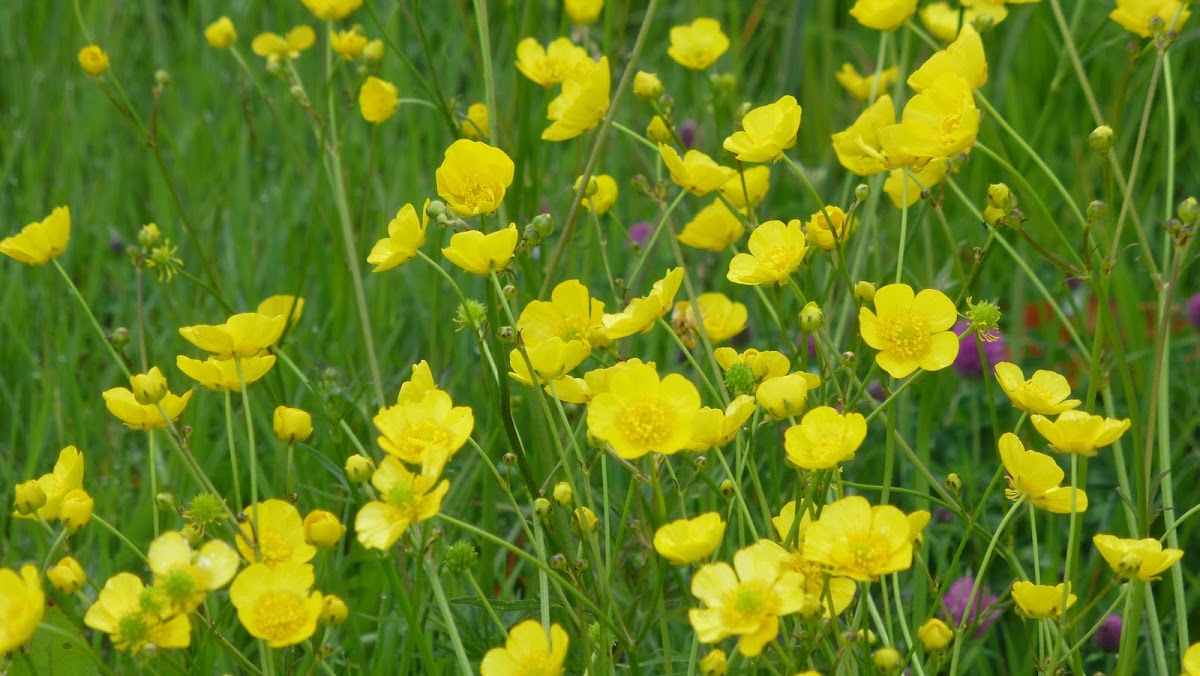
[(153, 480), (253, 452), (431, 573), (233, 461), (87, 310)]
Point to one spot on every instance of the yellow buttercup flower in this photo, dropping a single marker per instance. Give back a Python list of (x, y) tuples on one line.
[(639, 316), (481, 254), (29, 498), (714, 427), (571, 314), (647, 85), (776, 250), (332, 9), (1041, 601), (349, 43), (420, 382), (748, 188), (1046, 392), (378, 100), (425, 431), (221, 375), (53, 487), (584, 12), (280, 534), (76, 509), (786, 395), (1135, 15), (1037, 477), (963, 57), (825, 595), (182, 576), (334, 611), (220, 33), (697, 45), (604, 196), (763, 364), (641, 414), (41, 241), (1191, 660), (582, 390), (282, 305), (406, 234), (747, 599), (291, 424), (149, 387), (134, 617), (323, 529), (939, 122), (910, 331), (581, 104), (242, 335), (696, 172), (94, 60), (856, 540), (824, 438), (858, 147), (688, 540), (828, 234), (935, 635), (122, 404), (1139, 559), (275, 48), (860, 86), (715, 663), (550, 359), (883, 15), (276, 604), (714, 227), (918, 181), (67, 576), (528, 651), (766, 132), (550, 65), (658, 131), (406, 499), (473, 177), (1079, 432), (723, 318), (475, 126), (24, 605)]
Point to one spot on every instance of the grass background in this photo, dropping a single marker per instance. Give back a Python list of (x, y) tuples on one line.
[(248, 176)]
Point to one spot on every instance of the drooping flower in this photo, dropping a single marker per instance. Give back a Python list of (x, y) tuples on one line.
[(242, 335), (910, 331), (854, 539), (697, 45), (54, 486), (883, 15), (1136, 16), (528, 651), (714, 427), (378, 100), (23, 603), (603, 198), (134, 617), (696, 172), (406, 498), (747, 599), (67, 576), (481, 254), (828, 233), (220, 33), (824, 438), (182, 576), (1041, 601), (122, 404), (41, 241), (1143, 559), (748, 187), (1037, 477), (860, 86), (858, 146), (776, 251), (406, 234), (581, 104), (277, 529), (787, 395), (642, 413), (476, 125), (723, 318), (550, 65), (221, 375), (427, 430), (939, 122), (640, 314), (276, 604), (1079, 432), (685, 541), (473, 177), (766, 131), (823, 594), (963, 57), (1046, 393), (276, 47), (714, 227), (332, 9)]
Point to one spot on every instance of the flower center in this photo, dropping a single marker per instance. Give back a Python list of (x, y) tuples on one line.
[(278, 615), (748, 604), (471, 192), (274, 548), (179, 585), (420, 436), (401, 495), (777, 259), (908, 337), (867, 552), (948, 128), (647, 424), (132, 631)]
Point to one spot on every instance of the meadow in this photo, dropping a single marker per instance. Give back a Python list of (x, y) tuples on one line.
[(599, 336)]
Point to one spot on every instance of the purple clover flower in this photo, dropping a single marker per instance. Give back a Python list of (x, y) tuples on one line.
[(639, 233), (1193, 310), (687, 133), (1108, 636), (985, 605)]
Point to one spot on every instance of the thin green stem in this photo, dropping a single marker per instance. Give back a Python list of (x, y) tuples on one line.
[(87, 310), (233, 461), (439, 594)]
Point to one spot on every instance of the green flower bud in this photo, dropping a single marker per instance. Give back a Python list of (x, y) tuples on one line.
[(887, 660), (811, 317), (864, 292), (1101, 138), (359, 469), (165, 501), (1001, 197), (542, 507), (436, 208), (563, 494), (1096, 209), (953, 482), (1189, 211), (726, 488), (461, 557), (862, 192)]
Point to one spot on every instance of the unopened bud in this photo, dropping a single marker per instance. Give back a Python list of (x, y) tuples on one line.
[(726, 487), (1000, 196), (506, 333), (1188, 211), (436, 208), (849, 358), (864, 292), (510, 459), (542, 224), (542, 507), (861, 192), (119, 337), (30, 497), (811, 317), (953, 482), (162, 78), (1101, 138), (359, 468), (1095, 210), (647, 85), (563, 494), (165, 501), (887, 660)]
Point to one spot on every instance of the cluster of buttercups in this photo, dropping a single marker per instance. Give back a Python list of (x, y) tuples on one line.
[(819, 547)]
